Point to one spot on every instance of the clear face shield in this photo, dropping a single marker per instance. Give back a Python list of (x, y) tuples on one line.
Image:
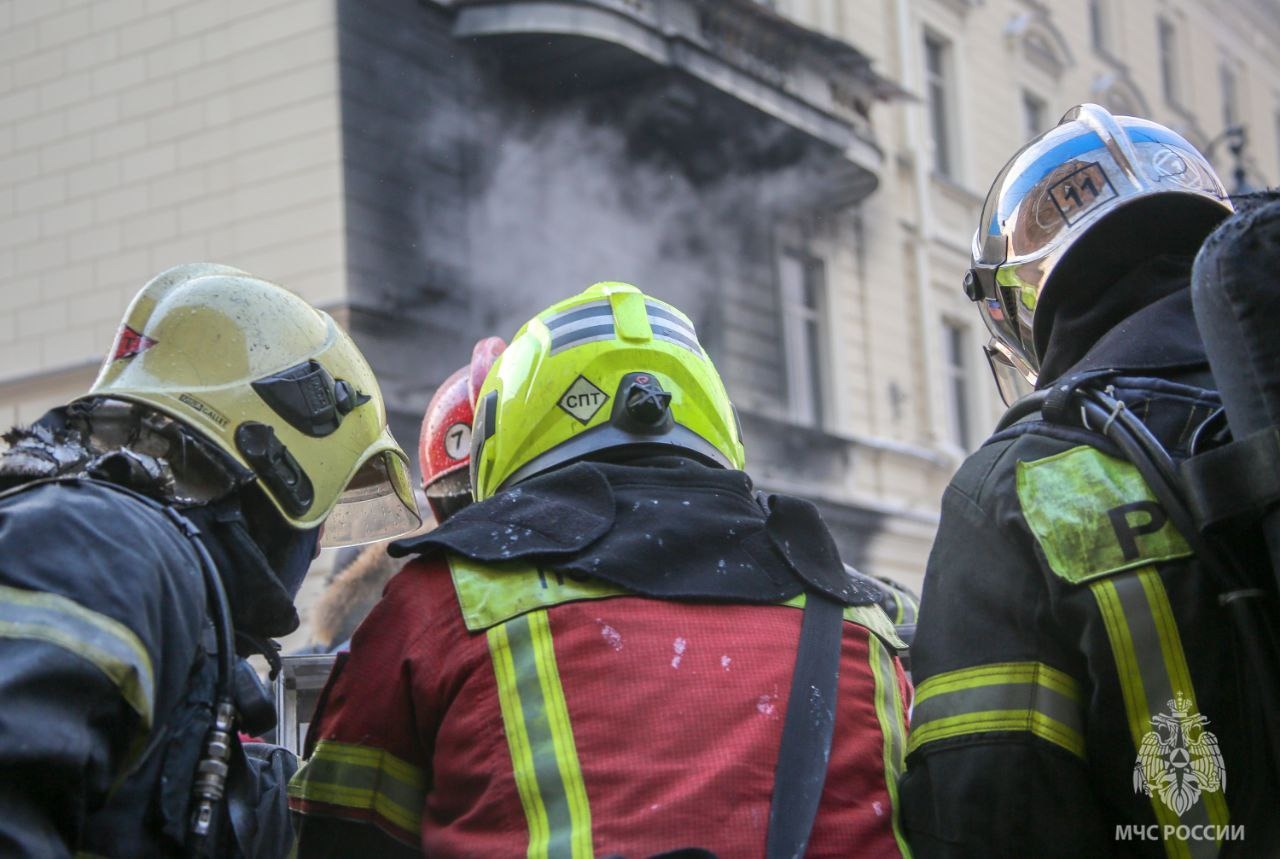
[(378, 504), (1012, 380)]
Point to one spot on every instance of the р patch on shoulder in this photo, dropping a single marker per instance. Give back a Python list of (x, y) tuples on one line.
[(1093, 515)]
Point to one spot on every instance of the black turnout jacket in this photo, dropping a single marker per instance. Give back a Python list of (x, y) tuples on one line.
[(1080, 691)]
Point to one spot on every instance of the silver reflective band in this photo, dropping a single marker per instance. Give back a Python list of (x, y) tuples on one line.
[(586, 324), (672, 327)]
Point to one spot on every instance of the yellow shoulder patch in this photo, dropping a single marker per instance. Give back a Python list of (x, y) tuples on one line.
[(1094, 515)]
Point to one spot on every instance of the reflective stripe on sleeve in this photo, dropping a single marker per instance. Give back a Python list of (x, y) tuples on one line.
[(544, 756), (1028, 697), (1153, 669), (893, 727), (106, 643), (361, 782)]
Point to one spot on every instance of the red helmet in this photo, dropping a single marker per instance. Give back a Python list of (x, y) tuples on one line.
[(444, 445)]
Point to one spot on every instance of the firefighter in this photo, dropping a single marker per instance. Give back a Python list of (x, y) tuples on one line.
[(444, 445), (1078, 684), (597, 657), (153, 529), (444, 451)]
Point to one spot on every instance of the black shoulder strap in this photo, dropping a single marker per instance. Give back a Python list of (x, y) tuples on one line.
[(807, 729)]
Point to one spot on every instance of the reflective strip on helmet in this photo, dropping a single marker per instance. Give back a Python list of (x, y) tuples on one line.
[(539, 734), (1152, 668), (666, 325), (585, 324), (361, 782), (593, 334), (665, 316), (1025, 697), (893, 727), (595, 310), (107, 644), (676, 336)]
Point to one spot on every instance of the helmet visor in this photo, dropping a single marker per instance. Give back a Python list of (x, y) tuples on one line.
[(376, 505), (1012, 383)]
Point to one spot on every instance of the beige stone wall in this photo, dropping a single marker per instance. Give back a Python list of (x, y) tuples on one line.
[(137, 135), (917, 226)]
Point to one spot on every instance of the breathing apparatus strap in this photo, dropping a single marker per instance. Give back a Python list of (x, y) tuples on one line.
[(1080, 402), (807, 730)]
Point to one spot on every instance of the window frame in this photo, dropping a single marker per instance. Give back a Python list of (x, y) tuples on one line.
[(1100, 37), (940, 104), (1168, 55), (805, 335), (1034, 107), (1229, 92), (957, 365)]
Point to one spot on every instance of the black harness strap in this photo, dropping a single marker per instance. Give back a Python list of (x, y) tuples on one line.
[(807, 730), (1239, 480)]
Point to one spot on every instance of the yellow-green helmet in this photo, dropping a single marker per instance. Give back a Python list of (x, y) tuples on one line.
[(277, 386), (609, 368)]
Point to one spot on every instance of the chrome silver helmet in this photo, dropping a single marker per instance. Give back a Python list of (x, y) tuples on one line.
[(1056, 189)]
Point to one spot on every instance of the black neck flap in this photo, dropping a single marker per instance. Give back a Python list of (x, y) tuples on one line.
[(670, 528)]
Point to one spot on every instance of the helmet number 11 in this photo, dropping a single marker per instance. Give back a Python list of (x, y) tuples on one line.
[(1080, 191)]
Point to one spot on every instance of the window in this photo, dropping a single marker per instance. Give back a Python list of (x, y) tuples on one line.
[(936, 63), (802, 284), (1098, 32), (1034, 109), (1168, 37), (956, 351), (1230, 95)]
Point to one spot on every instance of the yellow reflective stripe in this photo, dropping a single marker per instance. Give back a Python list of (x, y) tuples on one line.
[(1135, 697), (566, 751), (535, 813), (1028, 697), (999, 673), (1131, 689), (494, 593), (1030, 721), (544, 755), (363, 778), (892, 719), (1175, 660), (1144, 602), (109, 645)]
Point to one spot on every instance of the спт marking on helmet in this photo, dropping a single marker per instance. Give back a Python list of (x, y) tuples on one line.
[(444, 444), (1091, 168), (275, 385), (609, 368)]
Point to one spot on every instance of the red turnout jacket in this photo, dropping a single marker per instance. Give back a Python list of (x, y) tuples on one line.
[(486, 713)]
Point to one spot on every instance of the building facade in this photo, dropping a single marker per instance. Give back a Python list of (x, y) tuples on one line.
[(802, 177)]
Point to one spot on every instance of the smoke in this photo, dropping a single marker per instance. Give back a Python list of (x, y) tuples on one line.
[(480, 191), (566, 200)]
